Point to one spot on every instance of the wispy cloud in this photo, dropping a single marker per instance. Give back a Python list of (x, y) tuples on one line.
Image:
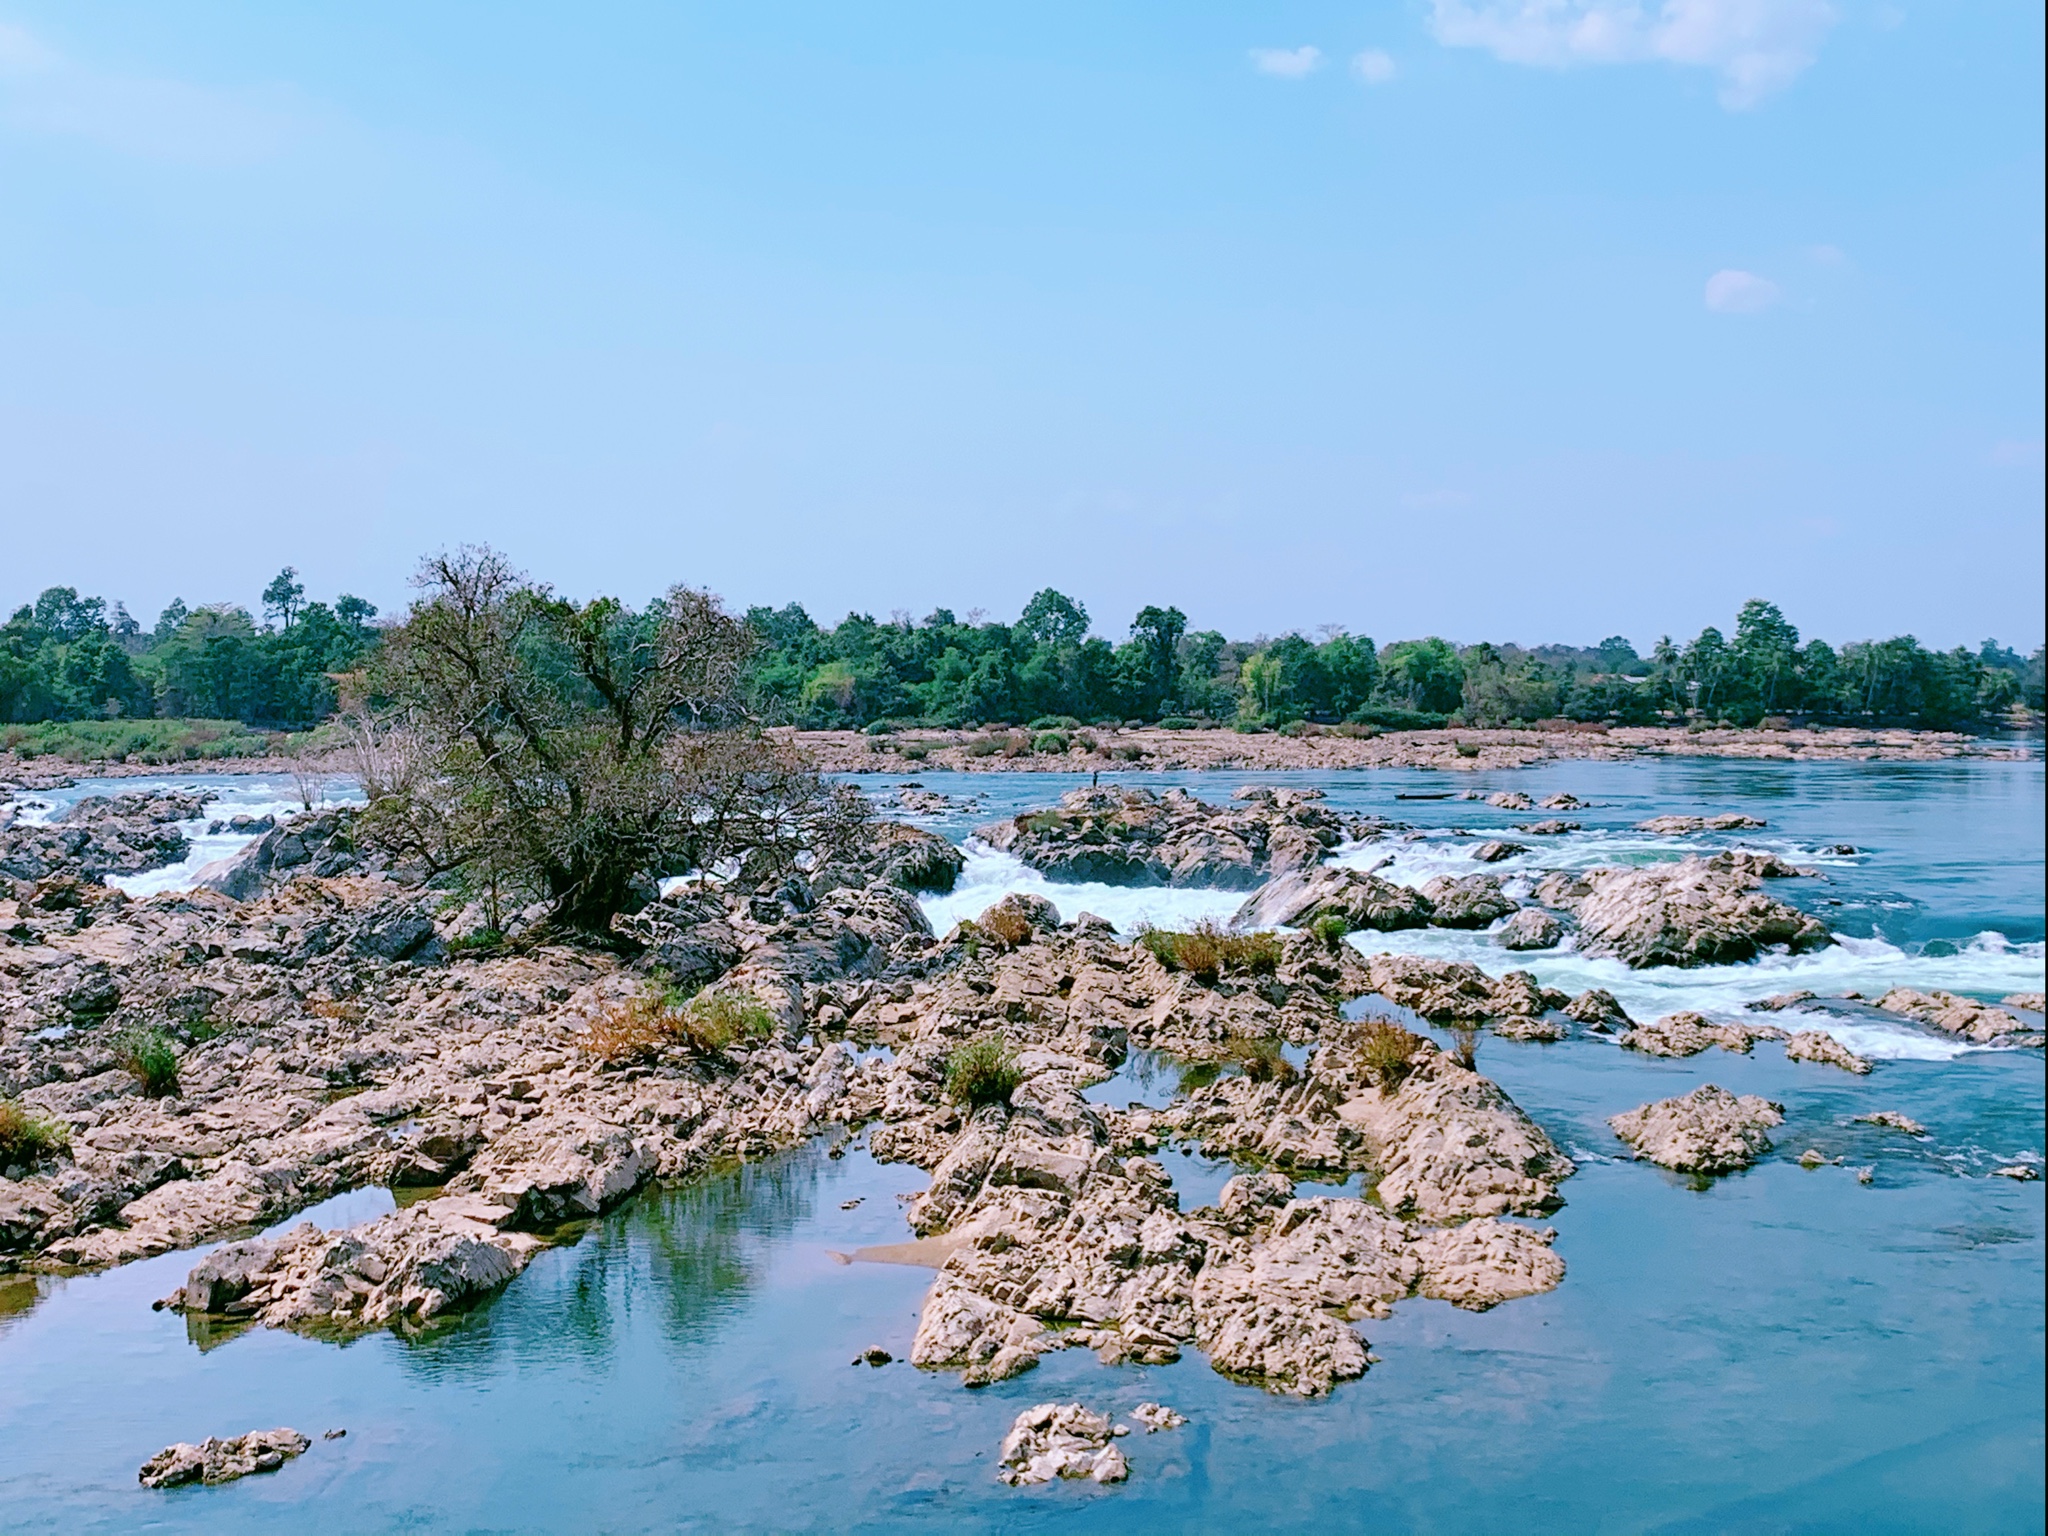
[(1287, 63), (1756, 46), (1732, 291), (42, 91), (1373, 66), (2017, 453)]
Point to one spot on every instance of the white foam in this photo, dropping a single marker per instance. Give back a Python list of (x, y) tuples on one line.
[(1988, 966), (254, 797), (989, 876)]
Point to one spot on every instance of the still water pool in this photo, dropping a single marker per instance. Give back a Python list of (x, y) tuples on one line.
[(1786, 1350)]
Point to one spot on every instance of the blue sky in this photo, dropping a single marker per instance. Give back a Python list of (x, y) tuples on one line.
[(1501, 319)]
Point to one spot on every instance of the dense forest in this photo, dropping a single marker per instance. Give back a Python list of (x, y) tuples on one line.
[(71, 658)]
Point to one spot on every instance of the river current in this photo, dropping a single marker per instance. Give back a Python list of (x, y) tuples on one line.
[(1786, 1349)]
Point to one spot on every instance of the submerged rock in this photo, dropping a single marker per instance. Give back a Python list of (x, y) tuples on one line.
[(1055, 1440), (1818, 1045), (1950, 1014), (222, 1461), (1707, 1131), (1673, 826), (1891, 1120)]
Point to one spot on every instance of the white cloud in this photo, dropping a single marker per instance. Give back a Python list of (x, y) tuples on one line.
[(1734, 292), (44, 92), (1828, 255), (1757, 46), (1287, 63), (1373, 67)]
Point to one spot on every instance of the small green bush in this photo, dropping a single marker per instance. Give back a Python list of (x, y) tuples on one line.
[(27, 1138), (1300, 728), (1179, 723), (1207, 950), (881, 728), (717, 1022), (483, 941), (148, 1056), (1261, 1059), (1385, 1050), (983, 1071), (1329, 930), (1055, 723), (1049, 742), (984, 746)]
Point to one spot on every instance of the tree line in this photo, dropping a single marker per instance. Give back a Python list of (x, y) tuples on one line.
[(66, 657)]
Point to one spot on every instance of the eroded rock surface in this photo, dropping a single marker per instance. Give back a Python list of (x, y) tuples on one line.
[(222, 1461), (1817, 1045), (101, 835), (1707, 1131), (1952, 1015), (1694, 912), (1055, 1440)]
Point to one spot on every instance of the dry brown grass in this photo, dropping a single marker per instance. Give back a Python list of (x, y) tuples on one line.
[(336, 1008), (1006, 924), (1386, 1050), (1261, 1059), (26, 1138), (641, 1028), (1206, 952)]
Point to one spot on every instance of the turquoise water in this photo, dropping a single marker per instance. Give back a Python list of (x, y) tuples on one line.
[(1787, 1350)]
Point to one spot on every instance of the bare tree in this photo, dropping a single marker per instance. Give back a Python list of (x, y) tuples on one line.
[(568, 752)]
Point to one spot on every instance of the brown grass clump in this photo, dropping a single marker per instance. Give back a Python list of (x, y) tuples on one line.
[(1007, 924), (1386, 1050), (643, 1027), (1207, 951), (336, 1008), (26, 1138), (1261, 1059)]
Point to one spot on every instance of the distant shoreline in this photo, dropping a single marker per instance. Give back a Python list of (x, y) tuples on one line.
[(1222, 751)]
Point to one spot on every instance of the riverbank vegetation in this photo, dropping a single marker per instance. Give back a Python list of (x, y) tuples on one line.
[(74, 661)]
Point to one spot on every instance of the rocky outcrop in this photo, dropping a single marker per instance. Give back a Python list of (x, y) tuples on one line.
[(1676, 826), (1453, 993), (1599, 1010), (222, 1461), (1891, 1120), (1055, 1440), (1687, 1034), (1362, 901), (1475, 901), (1817, 1045), (1684, 914), (317, 843), (1531, 928), (1136, 837), (915, 859), (1707, 1131), (101, 835), (1495, 851), (1157, 1416), (1952, 1015)]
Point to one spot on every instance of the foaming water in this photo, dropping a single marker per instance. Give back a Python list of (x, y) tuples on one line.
[(228, 796), (989, 876)]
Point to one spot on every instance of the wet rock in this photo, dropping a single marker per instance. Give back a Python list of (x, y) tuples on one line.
[(1685, 914), (873, 1355), (1157, 1416), (1495, 850), (1549, 828), (1056, 1440), (1778, 1002), (1687, 1034), (1362, 900), (222, 1461), (1475, 901), (101, 835), (1707, 1131), (1891, 1120), (316, 843), (1950, 1014), (1675, 826), (1599, 1010), (1819, 1046), (1511, 800), (916, 859), (1531, 928), (1562, 802), (2024, 1173), (1130, 836), (2031, 1002)]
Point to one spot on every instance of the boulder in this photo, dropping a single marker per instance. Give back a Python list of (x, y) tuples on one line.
[(1055, 1440), (316, 843), (1531, 928), (1817, 1045), (1495, 850), (222, 1461), (1475, 901), (1685, 914), (1550, 828), (1950, 1014), (1707, 1131), (1598, 1009), (1675, 826), (1891, 1120), (1363, 901)]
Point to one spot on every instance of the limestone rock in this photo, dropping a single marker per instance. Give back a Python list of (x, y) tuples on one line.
[(1598, 1009), (222, 1461), (1706, 1131), (1362, 900), (1476, 901), (1818, 1045), (1495, 850), (1157, 1416), (1129, 836), (1055, 1440), (1891, 1120), (1950, 1014), (1674, 826), (1688, 913), (1531, 928)]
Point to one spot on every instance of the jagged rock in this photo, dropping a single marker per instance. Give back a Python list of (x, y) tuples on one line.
[(1674, 826), (2031, 1002), (1495, 850), (1055, 1440), (1475, 901), (1157, 1416), (1598, 1009), (1819, 1046), (916, 859), (1950, 1014), (1531, 928), (222, 1461), (1891, 1120), (317, 843), (1688, 913), (1687, 1034), (1549, 828), (1778, 1002), (1451, 992), (1362, 900), (1132, 836), (2023, 1173), (101, 835), (1706, 1131), (1511, 800), (1562, 802)]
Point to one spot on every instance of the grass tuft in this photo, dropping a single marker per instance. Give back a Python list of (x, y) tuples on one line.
[(1386, 1050), (148, 1056), (1208, 951), (28, 1138), (983, 1071)]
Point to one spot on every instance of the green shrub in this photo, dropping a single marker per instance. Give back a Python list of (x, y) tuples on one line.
[(483, 941), (983, 1071), (716, 1022), (1329, 930), (1055, 723), (1049, 742), (1179, 723), (146, 741), (984, 746), (1393, 719), (1300, 728), (148, 1056), (27, 1138), (915, 751), (881, 728), (1207, 951)]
